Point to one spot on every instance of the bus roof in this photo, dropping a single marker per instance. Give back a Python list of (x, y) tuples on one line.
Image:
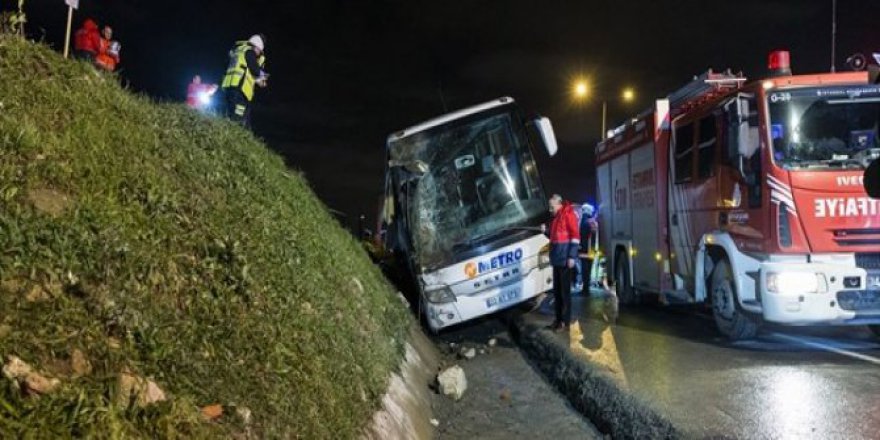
[(440, 120)]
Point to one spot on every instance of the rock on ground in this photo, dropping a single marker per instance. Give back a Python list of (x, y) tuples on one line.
[(453, 382), (33, 382), (145, 391)]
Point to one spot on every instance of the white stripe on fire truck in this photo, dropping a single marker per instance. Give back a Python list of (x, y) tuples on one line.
[(779, 200), (778, 184)]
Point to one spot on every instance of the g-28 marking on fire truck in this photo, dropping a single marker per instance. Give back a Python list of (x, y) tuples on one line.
[(759, 210)]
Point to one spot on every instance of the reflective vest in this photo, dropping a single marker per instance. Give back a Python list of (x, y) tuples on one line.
[(238, 75)]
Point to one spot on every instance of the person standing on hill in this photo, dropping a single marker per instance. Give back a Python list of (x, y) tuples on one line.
[(87, 41), (199, 94), (245, 72), (108, 51)]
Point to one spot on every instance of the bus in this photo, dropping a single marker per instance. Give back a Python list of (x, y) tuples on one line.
[(462, 211)]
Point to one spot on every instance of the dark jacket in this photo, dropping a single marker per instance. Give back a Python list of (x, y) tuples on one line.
[(565, 236)]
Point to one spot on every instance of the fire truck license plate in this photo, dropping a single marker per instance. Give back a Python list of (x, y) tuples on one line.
[(504, 297)]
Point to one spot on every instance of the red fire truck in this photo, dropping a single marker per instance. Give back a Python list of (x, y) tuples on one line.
[(747, 195)]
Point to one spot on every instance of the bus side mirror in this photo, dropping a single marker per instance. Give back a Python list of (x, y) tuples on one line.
[(543, 133), (872, 179)]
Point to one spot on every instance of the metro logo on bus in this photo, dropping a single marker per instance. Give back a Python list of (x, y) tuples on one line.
[(472, 269), (847, 207)]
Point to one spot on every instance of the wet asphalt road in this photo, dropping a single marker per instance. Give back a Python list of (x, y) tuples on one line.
[(789, 383), (506, 397)]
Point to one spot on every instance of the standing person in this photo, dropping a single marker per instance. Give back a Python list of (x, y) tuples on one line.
[(108, 50), (87, 41), (588, 227), (245, 71), (564, 244), (198, 94)]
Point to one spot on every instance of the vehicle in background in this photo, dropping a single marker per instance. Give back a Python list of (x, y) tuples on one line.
[(749, 196), (463, 210)]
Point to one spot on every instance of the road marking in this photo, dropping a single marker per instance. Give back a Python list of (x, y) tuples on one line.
[(826, 347)]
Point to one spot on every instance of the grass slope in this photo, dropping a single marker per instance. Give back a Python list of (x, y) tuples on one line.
[(177, 247)]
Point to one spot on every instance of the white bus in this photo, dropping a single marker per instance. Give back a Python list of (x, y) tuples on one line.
[(462, 211)]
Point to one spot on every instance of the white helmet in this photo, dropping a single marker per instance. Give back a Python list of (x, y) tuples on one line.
[(257, 41), (588, 209)]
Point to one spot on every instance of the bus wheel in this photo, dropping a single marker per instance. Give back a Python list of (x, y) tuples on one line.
[(532, 304), (875, 329), (731, 321), (625, 293)]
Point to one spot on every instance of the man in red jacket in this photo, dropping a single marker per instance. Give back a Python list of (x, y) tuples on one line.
[(199, 94), (565, 239), (87, 41)]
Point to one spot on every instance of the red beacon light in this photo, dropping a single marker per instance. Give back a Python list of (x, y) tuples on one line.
[(780, 63)]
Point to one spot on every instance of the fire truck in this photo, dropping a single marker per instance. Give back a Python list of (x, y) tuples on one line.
[(747, 196)]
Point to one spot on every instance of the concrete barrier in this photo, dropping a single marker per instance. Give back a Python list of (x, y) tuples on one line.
[(406, 407), (591, 391)]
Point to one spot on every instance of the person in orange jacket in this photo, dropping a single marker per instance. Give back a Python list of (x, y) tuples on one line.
[(86, 41), (198, 94), (108, 51)]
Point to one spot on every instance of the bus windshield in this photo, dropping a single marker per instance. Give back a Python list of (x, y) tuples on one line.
[(477, 179), (828, 127)]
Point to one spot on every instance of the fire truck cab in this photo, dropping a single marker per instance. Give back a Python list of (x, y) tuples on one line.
[(749, 196)]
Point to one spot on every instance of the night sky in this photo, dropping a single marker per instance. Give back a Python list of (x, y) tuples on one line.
[(345, 74)]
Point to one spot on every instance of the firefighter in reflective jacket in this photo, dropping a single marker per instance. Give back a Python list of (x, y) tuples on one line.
[(245, 71)]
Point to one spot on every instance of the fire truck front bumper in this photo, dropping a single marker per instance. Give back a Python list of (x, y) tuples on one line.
[(818, 294)]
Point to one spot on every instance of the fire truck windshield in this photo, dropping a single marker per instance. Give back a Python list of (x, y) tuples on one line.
[(478, 178), (828, 127)]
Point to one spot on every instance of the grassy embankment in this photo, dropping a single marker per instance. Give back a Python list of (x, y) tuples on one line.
[(143, 238)]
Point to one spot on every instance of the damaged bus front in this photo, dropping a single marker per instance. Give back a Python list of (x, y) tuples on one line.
[(463, 208)]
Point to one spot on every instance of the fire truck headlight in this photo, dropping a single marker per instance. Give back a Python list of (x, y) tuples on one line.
[(793, 282), (443, 295)]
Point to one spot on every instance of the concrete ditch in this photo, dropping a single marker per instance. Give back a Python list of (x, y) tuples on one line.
[(594, 393), (406, 406)]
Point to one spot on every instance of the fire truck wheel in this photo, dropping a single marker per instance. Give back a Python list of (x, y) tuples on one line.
[(625, 293), (875, 329), (731, 321)]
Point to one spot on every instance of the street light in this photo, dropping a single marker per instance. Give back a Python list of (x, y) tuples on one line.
[(580, 90)]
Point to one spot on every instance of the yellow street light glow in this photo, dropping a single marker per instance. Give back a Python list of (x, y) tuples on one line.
[(628, 94), (581, 89)]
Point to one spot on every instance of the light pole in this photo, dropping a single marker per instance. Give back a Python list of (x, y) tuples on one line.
[(833, 35), (581, 92)]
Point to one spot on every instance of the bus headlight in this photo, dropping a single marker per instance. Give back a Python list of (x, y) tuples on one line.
[(544, 257), (440, 296), (793, 282)]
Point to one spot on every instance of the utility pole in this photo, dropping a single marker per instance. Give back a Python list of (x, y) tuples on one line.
[(833, 35), (604, 120)]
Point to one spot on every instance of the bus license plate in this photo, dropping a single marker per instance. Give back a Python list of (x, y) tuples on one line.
[(503, 298)]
